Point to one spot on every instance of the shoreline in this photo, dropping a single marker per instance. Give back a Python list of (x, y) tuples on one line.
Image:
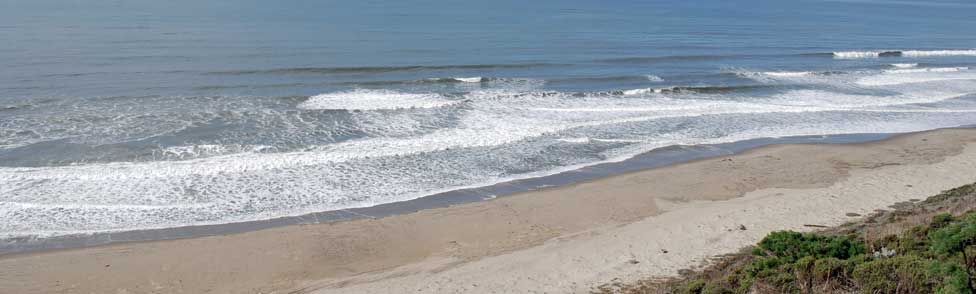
[(689, 234), (562, 239), (656, 158)]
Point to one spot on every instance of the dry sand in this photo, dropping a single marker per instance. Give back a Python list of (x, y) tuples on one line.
[(566, 239)]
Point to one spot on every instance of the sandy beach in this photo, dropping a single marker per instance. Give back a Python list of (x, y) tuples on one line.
[(563, 239)]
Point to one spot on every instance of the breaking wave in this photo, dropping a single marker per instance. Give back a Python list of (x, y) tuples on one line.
[(787, 73), (929, 69), (606, 79), (691, 89), (906, 53), (363, 99), (918, 75), (904, 65), (435, 81)]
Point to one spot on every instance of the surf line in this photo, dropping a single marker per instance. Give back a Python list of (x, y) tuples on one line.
[(359, 214)]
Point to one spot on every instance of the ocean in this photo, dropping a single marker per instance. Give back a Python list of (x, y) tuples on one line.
[(133, 115)]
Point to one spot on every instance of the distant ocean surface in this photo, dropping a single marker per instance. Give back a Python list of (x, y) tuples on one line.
[(124, 115)]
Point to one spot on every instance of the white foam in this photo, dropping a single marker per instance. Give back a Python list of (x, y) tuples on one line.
[(931, 69), (787, 73), (833, 101), (364, 99), (793, 76), (904, 65), (914, 76), (862, 78), (495, 130), (587, 140), (194, 150), (575, 140), (618, 140), (931, 53), (654, 78), (857, 54), (643, 91), (202, 150), (470, 79), (903, 53)]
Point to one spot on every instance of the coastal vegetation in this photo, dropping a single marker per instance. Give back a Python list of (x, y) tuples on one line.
[(920, 247)]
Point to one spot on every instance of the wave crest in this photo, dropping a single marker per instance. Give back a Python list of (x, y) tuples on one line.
[(904, 65), (931, 69), (900, 53), (363, 99)]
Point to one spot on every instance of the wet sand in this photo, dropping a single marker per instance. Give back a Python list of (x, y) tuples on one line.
[(563, 239)]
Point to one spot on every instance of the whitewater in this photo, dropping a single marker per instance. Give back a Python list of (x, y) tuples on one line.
[(366, 146)]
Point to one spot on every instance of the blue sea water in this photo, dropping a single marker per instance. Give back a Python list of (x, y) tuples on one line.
[(124, 115)]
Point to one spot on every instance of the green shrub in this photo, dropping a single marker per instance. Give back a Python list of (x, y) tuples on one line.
[(826, 273), (693, 287), (901, 274), (938, 257), (714, 288), (951, 277), (785, 281), (913, 241), (828, 270), (953, 238), (791, 246), (804, 271), (953, 241), (763, 266), (745, 283), (941, 220)]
